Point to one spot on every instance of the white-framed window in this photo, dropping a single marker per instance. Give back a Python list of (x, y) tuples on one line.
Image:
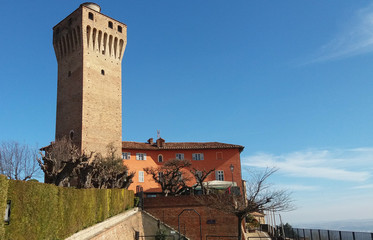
[(197, 156), (219, 174), (160, 158), (180, 156), (141, 176), (140, 156), (126, 155)]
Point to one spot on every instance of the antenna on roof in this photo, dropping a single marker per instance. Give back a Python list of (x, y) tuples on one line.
[(158, 134)]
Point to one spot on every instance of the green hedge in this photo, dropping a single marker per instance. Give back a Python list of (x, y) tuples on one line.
[(3, 198), (44, 211)]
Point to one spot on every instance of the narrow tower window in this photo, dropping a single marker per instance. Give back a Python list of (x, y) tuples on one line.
[(102, 72), (119, 29), (110, 24), (121, 43), (71, 134), (90, 16), (88, 34), (69, 74)]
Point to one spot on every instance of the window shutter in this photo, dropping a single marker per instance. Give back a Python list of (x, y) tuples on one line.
[(216, 175), (144, 156)]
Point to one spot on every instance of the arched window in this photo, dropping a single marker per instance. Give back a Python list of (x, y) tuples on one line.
[(71, 134), (110, 24), (160, 158), (90, 16)]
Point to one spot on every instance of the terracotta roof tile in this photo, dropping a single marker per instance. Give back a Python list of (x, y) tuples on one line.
[(179, 145)]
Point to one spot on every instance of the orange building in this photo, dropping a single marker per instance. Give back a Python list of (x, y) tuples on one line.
[(203, 156)]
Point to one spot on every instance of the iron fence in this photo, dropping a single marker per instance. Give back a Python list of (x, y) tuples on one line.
[(216, 237), (319, 234), (166, 237)]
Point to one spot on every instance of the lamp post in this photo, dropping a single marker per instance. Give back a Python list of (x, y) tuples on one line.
[(232, 168)]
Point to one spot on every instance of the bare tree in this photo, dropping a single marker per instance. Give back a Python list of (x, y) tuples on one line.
[(18, 161), (200, 176), (264, 196), (64, 164), (171, 176), (61, 161), (260, 197), (105, 172)]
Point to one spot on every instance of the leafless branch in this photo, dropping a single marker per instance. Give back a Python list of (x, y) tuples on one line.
[(171, 176), (200, 176), (18, 161)]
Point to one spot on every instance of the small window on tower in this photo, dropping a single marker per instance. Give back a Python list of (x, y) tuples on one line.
[(71, 134), (119, 29), (90, 16), (69, 74), (102, 72), (110, 24)]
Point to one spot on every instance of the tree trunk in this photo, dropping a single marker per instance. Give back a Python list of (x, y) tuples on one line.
[(239, 228)]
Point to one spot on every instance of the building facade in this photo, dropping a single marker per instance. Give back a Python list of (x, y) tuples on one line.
[(89, 48), (223, 158)]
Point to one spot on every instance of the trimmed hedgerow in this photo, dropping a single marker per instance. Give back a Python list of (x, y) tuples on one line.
[(44, 211), (3, 198)]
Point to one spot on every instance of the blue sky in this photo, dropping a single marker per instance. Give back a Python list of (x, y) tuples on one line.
[(289, 80)]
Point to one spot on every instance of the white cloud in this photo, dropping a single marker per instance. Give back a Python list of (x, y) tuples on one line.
[(344, 165), (355, 39), (297, 187), (367, 186)]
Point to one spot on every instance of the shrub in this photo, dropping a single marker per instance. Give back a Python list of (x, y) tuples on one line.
[(3, 198), (45, 211)]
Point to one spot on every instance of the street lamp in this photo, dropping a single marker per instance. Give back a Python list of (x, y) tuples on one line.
[(232, 168)]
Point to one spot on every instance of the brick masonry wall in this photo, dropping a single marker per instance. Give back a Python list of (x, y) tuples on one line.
[(172, 211)]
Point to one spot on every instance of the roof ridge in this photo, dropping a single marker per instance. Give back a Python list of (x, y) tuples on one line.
[(179, 145)]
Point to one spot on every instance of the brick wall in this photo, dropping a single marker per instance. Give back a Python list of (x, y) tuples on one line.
[(213, 222)]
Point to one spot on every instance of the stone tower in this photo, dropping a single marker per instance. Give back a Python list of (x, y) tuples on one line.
[(89, 48)]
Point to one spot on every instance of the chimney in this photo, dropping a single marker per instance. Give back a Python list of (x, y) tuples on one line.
[(160, 142), (150, 141)]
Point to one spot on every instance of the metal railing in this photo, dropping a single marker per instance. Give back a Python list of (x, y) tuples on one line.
[(216, 237), (166, 237), (319, 234)]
